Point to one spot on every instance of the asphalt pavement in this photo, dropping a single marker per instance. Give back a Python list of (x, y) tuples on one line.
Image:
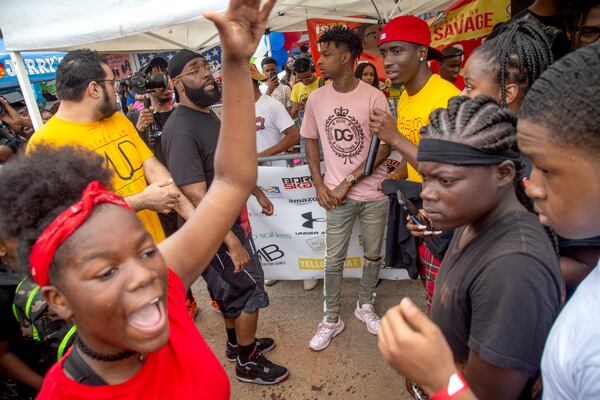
[(350, 368)]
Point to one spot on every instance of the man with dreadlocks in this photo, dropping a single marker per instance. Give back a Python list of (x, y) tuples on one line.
[(559, 130), (499, 287), (337, 116)]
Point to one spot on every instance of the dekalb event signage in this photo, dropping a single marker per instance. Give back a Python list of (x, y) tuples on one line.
[(291, 242), (40, 67)]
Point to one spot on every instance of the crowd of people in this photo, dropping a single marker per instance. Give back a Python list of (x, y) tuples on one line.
[(108, 215)]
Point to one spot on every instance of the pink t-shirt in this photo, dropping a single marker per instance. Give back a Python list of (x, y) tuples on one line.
[(341, 122)]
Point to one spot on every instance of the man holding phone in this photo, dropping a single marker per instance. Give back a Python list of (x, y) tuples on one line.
[(273, 87)]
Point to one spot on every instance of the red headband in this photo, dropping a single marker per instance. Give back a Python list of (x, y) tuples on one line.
[(64, 225)]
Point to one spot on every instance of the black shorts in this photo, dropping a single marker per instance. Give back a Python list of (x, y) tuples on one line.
[(236, 292)]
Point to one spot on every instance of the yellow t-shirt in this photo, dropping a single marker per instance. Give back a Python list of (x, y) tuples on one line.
[(300, 91), (413, 111), (116, 140)]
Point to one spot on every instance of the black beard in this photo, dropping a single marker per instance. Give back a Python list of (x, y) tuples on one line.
[(107, 109), (201, 97)]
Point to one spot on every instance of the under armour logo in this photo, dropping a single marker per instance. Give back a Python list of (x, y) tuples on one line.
[(310, 220)]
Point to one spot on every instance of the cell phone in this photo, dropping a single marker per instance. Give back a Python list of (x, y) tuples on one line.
[(412, 210)]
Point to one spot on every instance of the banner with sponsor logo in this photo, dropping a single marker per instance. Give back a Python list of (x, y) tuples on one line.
[(40, 67), (291, 242), (465, 24)]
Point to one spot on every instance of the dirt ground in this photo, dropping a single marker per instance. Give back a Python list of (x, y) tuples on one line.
[(350, 368)]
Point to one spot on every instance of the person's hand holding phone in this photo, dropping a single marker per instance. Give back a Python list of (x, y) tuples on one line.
[(416, 227), (273, 82)]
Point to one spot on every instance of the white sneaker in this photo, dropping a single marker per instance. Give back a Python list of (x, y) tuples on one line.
[(270, 282), (367, 315), (310, 284), (325, 332)]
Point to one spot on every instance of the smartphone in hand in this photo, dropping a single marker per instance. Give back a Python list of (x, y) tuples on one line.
[(412, 210)]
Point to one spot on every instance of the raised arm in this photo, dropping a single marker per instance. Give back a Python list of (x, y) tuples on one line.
[(189, 250)]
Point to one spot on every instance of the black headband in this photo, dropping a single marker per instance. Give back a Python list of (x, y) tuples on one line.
[(447, 152)]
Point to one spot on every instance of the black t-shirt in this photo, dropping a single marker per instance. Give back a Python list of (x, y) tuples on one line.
[(554, 28), (189, 141), (500, 294)]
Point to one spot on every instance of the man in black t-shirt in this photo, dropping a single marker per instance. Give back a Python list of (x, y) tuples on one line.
[(234, 278)]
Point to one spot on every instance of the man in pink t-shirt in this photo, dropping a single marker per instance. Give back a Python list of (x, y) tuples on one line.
[(337, 115)]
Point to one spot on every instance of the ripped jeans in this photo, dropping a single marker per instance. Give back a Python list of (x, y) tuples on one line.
[(372, 218)]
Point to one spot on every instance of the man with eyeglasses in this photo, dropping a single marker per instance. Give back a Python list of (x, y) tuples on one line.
[(583, 22), (234, 277), (88, 117)]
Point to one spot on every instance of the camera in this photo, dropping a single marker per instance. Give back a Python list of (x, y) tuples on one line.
[(142, 83)]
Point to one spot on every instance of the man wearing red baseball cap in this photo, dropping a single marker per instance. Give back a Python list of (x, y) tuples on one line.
[(405, 45)]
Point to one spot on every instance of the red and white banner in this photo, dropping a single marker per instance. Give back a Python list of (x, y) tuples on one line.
[(465, 24)]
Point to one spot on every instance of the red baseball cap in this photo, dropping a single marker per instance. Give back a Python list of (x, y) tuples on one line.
[(408, 28)]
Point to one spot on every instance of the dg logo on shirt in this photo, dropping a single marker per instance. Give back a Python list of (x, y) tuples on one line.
[(344, 134)]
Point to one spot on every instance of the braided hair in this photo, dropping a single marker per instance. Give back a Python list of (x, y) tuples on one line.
[(519, 52), (40, 186), (482, 124), (565, 100)]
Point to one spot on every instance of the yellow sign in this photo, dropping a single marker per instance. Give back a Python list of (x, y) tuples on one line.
[(315, 264), (473, 20)]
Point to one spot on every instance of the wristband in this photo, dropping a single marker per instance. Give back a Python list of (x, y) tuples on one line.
[(457, 385)]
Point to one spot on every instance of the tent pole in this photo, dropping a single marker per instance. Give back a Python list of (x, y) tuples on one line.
[(268, 40), (377, 10), (32, 107)]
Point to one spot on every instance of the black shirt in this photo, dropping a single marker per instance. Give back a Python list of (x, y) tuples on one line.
[(500, 294), (189, 141)]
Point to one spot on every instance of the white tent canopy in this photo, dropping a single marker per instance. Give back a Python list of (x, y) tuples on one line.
[(150, 25), (144, 25)]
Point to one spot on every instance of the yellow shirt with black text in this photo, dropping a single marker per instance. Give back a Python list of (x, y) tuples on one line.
[(413, 111), (118, 142)]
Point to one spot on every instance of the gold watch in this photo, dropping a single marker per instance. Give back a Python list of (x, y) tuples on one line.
[(351, 179)]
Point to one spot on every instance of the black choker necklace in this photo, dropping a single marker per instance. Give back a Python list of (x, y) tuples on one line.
[(106, 357)]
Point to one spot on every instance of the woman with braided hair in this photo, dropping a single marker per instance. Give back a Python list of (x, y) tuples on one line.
[(506, 66), (98, 267), (559, 130), (499, 287)]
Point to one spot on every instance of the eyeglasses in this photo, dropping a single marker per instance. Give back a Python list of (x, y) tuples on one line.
[(203, 68), (589, 34), (115, 82)]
